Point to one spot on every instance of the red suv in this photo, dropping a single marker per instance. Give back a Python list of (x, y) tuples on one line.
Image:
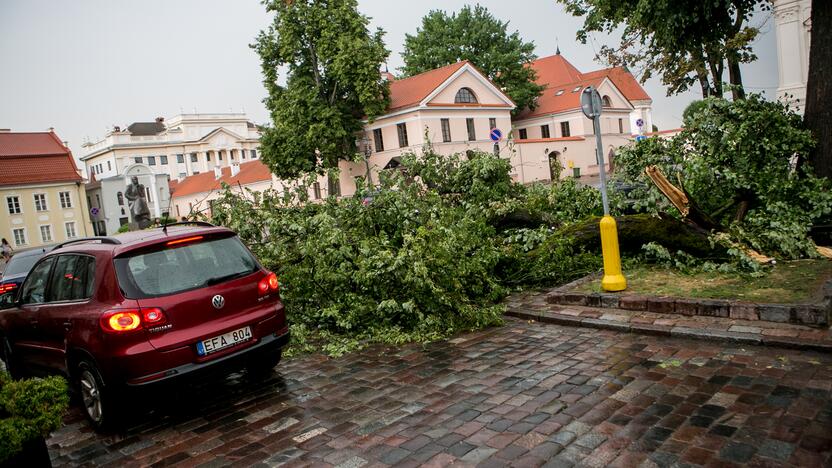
[(115, 314)]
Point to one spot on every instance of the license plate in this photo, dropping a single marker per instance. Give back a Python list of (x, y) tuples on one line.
[(223, 341)]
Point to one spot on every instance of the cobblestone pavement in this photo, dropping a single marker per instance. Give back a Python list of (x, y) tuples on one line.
[(525, 394)]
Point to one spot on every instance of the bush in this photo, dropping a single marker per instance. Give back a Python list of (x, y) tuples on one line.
[(737, 159), (29, 409), (424, 259)]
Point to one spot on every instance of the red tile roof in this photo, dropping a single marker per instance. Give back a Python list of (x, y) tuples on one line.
[(250, 172), (410, 91), (556, 73), (35, 158)]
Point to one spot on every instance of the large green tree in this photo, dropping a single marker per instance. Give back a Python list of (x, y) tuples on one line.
[(331, 63), (474, 34), (684, 41)]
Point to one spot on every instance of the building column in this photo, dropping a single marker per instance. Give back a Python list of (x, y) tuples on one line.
[(791, 56), (157, 212)]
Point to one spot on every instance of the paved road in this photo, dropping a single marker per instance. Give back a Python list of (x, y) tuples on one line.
[(524, 394)]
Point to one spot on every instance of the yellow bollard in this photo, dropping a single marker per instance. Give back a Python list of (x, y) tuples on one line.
[(613, 279)]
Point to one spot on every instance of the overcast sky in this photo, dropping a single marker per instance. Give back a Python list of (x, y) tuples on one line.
[(81, 66)]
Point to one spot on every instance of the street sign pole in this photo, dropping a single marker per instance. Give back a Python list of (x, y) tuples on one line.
[(613, 279)]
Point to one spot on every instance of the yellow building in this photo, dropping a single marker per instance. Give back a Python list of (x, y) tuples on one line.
[(41, 191)]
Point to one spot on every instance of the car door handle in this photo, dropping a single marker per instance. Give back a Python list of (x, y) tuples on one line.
[(33, 321), (67, 324)]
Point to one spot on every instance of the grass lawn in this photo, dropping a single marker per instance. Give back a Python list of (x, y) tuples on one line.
[(788, 282)]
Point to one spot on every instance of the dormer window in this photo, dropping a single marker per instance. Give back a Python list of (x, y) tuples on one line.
[(577, 88), (465, 96), (606, 101), (559, 92)]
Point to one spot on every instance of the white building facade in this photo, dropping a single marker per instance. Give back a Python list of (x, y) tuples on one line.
[(793, 25), (178, 147)]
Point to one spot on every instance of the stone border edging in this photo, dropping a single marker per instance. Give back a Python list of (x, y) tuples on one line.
[(814, 315), (675, 331)]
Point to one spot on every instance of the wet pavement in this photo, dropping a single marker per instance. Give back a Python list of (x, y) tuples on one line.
[(526, 394)]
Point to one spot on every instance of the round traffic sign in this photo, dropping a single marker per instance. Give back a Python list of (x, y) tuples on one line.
[(496, 135), (639, 123), (94, 211)]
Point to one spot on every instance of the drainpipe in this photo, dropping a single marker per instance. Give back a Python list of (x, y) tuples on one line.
[(81, 201)]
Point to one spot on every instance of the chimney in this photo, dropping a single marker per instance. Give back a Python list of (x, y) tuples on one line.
[(160, 119), (217, 172), (235, 169)]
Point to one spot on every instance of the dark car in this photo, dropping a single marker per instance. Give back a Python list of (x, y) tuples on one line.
[(18, 267), (142, 310)]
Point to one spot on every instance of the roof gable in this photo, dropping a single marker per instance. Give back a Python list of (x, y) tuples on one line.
[(411, 91), (468, 76), (220, 135)]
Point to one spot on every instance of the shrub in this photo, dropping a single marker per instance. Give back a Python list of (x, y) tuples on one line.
[(28, 409)]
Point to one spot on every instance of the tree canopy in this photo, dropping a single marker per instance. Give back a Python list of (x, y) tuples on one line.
[(474, 34), (331, 63), (686, 42)]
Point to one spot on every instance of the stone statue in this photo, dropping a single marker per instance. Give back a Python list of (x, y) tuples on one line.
[(137, 202)]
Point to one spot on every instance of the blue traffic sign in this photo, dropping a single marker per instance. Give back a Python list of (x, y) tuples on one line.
[(94, 211), (639, 123), (496, 135)]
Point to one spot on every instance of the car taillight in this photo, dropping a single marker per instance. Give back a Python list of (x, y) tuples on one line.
[(268, 283), (119, 321), (184, 240), (4, 288)]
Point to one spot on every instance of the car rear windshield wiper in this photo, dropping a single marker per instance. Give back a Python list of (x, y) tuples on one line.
[(220, 279)]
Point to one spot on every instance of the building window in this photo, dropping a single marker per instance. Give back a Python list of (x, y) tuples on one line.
[(401, 129), (253, 154), (182, 175), (194, 158), (148, 194), (19, 236), (544, 131), (70, 230), (208, 157), (66, 199), (523, 134), (46, 233), (606, 101), (109, 166), (40, 202), (163, 160), (242, 154), (472, 134), (231, 155), (620, 125), (492, 123), (564, 129), (196, 172), (14, 204), (180, 158), (378, 140), (219, 155), (465, 96), (120, 198), (137, 159), (316, 189), (333, 186), (151, 160), (98, 200), (446, 130)]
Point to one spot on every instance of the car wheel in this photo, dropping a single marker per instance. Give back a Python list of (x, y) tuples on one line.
[(264, 366), (8, 358), (94, 396)]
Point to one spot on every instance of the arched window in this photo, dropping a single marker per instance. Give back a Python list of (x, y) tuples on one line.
[(607, 102), (465, 96), (120, 197)]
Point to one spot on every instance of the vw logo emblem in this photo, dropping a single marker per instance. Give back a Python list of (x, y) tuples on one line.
[(218, 301)]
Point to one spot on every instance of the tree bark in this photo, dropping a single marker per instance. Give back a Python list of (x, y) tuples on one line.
[(735, 76), (818, 112)]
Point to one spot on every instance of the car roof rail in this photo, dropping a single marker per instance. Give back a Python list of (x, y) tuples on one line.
[(102, 239)]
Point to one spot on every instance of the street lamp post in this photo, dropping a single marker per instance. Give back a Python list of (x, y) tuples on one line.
[(613, 279), (368, 149)]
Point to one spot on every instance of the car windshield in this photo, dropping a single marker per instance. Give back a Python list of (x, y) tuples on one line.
[(179, 268), (21, 264)]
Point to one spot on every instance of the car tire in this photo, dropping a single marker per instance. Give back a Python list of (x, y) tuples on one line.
[(8, 358), (95, 397), (264, 366)]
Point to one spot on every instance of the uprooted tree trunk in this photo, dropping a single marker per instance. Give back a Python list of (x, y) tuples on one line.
[(636, 230)]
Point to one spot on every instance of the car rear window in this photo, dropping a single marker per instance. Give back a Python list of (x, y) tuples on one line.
[(178, 268), (21, 264)]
